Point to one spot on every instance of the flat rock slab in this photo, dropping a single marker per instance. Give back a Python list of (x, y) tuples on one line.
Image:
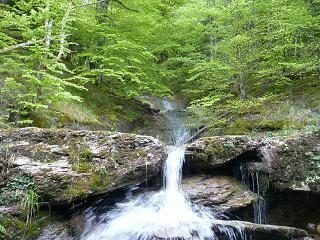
[(244, 230), (67, 165), (262, 231), (223, 192)]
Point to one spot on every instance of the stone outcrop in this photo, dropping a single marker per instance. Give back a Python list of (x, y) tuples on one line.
[(223, 193), (293, 163), (213, 152), (67, 165), (242, 230), (261, 231)]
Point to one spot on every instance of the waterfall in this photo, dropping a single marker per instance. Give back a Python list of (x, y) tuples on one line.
[(167, 214), (258, 181)]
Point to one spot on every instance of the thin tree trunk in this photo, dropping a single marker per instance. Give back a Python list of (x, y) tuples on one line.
[(242, 86), (47, 42), (241, 78), (48, 37), (211, 40), (103, 5), (63, 26)]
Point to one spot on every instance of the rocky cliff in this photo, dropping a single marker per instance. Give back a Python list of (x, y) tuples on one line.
[(65, 165)]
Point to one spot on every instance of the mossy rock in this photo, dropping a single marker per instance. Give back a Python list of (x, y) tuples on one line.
[(71, 165)]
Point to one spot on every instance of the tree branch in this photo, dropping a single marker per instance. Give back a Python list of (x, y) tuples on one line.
[(201, 130), (87, 4), (20, 45), (124, 6), (27, 44)]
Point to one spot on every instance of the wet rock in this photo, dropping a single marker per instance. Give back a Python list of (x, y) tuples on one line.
[(313, 228), (67, 165), (170, 233), (213, 152), (262, 231), (243, 230), (292, 163), (295, 161), (223, 192), (10, 210), (55, 231)]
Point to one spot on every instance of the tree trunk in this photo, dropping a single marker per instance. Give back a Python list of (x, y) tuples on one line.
[(63, 33), (47, 38), (242, 86), (241, 78), (102, 6)]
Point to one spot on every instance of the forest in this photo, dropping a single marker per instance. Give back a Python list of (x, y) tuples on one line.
[(178, 119), (241, 66)]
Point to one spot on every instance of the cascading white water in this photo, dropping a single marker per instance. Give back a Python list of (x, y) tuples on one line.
[(167, 214), (258, 181)]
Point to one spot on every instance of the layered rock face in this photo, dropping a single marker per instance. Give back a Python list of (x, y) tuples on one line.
[(67, 165), (213, 152), (291, 162), (222, 192)]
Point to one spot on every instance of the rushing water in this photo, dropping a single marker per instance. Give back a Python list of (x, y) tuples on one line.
[(167, 214)]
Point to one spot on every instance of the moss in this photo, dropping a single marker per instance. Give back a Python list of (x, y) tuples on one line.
[(96, 182), (78, 189), (270, 125), (82, 167), (80, 155), (74, 147), (99, 182), (85, 154), (240, 126)]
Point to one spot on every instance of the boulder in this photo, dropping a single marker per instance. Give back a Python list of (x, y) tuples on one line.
[(292, 163), (259, 231), (67, 165), (213, 152), (224, 193), (226, 230)]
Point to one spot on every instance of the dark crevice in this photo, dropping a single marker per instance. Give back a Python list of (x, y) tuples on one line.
[(191, 167)]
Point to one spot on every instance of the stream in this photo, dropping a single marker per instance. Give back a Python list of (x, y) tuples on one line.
[(166, 214), (163, 211)]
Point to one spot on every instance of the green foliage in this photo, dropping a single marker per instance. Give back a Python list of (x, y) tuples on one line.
[(2, 230), (15, 189), (313, 178), (34, 75), (30, 205), (21, 191), (245, 58), (231, 60), (51, 50)]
